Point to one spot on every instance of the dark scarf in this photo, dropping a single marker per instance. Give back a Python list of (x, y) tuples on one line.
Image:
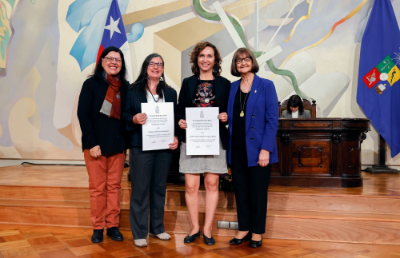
[(112, 103)]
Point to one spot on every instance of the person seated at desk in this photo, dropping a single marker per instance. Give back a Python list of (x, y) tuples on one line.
[(295, 108)]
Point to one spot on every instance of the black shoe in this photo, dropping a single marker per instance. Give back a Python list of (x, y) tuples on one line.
[(115, 234), (236, 241), (190, 239), (97, 236), (209, 240), (256, 244)]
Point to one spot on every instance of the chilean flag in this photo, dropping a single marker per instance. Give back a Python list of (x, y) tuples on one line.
[(114, 35)]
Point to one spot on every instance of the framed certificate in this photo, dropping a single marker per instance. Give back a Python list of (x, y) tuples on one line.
[(158, 131), (202, 132)]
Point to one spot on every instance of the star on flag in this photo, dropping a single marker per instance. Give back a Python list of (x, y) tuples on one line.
[(113, 26)]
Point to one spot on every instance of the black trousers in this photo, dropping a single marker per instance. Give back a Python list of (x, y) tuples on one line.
[(149, 173), (251, 192)]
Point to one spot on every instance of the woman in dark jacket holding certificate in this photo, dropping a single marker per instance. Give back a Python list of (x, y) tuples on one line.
[(253, 124), (206, 88), (149, 169)]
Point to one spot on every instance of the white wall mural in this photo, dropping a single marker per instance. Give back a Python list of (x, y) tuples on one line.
[(48, 48)]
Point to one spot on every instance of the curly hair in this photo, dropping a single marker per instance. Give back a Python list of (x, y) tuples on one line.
[(195, 54)]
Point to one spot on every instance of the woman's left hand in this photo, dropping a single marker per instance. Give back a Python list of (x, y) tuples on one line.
[(263, 158), (223, 117), (174, 145)]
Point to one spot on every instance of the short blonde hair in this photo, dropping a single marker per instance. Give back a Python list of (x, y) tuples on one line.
[(248, 53)]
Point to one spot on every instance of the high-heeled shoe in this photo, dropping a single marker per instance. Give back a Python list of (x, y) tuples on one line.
[(236, 241), (256, 244), (190, 239)]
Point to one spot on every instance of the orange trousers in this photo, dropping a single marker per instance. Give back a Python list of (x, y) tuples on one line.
[(105, 175)]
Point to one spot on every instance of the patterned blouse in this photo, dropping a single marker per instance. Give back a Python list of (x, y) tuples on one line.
[(204, 96)]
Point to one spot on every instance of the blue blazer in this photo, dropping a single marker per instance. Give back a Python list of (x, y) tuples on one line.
[(261, 120)]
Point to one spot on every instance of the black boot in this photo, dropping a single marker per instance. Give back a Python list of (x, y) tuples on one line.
[(115, 234), (97, 236)]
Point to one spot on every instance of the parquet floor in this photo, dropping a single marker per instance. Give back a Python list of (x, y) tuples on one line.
[(19, 241)]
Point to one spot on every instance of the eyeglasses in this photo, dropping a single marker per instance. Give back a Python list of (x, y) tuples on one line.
[(110, 59), (246, 59), (153, 64)]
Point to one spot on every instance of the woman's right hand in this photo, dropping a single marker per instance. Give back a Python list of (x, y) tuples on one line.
[(95, 152), (182, 124), (140, 118)]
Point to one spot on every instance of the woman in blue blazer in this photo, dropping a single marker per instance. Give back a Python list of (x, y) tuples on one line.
[(253, 124)]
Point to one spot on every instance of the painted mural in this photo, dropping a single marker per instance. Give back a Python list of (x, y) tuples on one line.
[(48, 48)]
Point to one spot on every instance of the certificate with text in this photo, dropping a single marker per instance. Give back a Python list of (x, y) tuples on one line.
[(202, 132), (158, 131)]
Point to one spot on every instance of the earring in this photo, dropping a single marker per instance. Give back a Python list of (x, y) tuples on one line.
[(161, 79)]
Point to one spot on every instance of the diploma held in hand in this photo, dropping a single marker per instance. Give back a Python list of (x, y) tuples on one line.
[(202, 133), (158, 131)]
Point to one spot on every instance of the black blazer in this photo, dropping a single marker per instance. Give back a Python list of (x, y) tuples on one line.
[(221, 90), (135, 98), (91, 99)]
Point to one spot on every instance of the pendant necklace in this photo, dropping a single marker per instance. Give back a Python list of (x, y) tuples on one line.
[(116, 91), (158, 97), (244, 104)]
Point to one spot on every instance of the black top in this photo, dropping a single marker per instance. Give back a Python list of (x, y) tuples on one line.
[(204, 95), (221, 90), (135, 98), (239, 123), (97, 128)]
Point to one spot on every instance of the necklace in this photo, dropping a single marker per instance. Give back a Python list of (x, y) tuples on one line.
[(244, 104), (158, 97)]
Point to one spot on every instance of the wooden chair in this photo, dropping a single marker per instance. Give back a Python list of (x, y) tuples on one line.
[(306, 104)]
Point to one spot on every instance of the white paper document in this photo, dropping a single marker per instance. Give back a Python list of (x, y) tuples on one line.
[(202, 132), (158, 131)]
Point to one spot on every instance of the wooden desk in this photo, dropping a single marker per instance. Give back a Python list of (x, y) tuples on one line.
[(312, 152), (319, 152)]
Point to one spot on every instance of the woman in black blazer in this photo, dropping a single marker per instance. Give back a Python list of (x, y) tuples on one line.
[(100, 105), (149, 169), (206, 88)]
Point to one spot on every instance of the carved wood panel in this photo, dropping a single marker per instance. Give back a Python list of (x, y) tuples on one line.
[(311, 157), (351, 157)]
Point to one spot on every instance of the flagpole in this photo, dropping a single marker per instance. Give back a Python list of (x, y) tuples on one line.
[(381, 168)]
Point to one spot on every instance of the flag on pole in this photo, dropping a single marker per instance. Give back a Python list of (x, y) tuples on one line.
[(114, 35), (378, 92)]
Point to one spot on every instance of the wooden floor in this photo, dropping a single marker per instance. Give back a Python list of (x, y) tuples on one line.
[(20, 241), (47, 196)]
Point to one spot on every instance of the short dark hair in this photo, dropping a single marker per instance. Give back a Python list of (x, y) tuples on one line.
[(98, 71), (195, 54), (141, 81), (248, 53), (295, 101)]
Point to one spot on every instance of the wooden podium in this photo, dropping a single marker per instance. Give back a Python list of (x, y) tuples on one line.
[(319, 152)]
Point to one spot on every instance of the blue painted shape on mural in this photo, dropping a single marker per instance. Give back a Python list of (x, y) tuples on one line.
[(80, 13), (137, 30), (91, 16)]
